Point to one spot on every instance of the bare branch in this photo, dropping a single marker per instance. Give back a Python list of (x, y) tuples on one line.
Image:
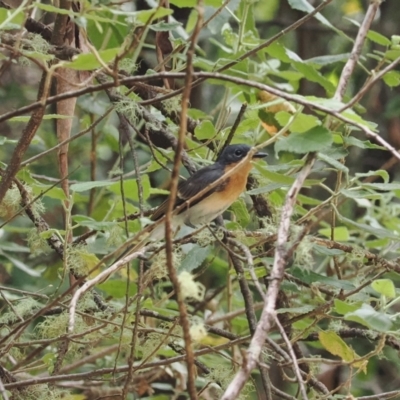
[(101, 277), (356, 52)]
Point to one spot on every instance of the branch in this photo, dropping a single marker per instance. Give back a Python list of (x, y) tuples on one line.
[(171, 204), (292, 355), (27, 135), (251, 52), (330, 244), (212, 75), (356, 51), (277, 273), (370, 82), (154, 123), (250, 311), (124, 368), (101, 277)]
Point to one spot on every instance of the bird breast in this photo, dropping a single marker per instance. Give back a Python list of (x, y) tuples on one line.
[(209, 208)]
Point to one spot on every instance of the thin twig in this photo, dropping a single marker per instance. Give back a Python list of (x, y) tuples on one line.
[(388, 395), (250, 265), (356, 51), (3, 392), (296, 368), (168, 218), (234, 127), (250, 315), (310, 379)]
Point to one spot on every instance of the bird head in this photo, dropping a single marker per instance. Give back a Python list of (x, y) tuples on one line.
[(234, 153)]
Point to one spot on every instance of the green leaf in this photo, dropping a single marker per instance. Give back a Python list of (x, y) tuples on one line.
[(380, 172), (281, 179), (195, 113), (49, 359), (275, 177), (315, 139), (366, 144), (22, 266), (85, 186), (359, 194), (343, 307), (155, 165), (378, 232), (117, 25), (91, 223), (324, 251), (11, 18), (311, 74), (296, 310), (117, 288), (392, 54), (184, 3), (370, 318), (4, 140), (130, 187), (378, 38), (385, 287), (26, 118), (205, 130), (52, 9), (268, 188), (38, 56), (193, 3), (192, 21), (334, 163), (381, 186), (194, 258), (392, 78), (87, 62), (306, 200), (276, 50), (218, 3), (53, 193), (146, 16), (377, 243), (333, 343), (164, 26), (350, 114), (326, 60), (49, 233), (332, 104), (336, 152), (311, 277), (301, 123), (304, 5), (341, 233), (241, 213)]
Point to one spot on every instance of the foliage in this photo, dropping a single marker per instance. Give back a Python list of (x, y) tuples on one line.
[(69, 211)]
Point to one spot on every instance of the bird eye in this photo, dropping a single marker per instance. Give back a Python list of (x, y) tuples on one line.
[(238, 153)]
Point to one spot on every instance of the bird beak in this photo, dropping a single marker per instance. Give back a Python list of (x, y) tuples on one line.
[(260, 155)]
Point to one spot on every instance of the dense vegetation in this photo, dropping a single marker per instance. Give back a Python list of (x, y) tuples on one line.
[(105, 105)]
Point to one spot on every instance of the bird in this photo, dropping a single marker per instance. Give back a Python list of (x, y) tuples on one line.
[(231, 169), (212, 203)]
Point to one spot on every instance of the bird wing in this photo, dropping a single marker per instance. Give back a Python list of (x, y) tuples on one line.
[(193, 185)]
